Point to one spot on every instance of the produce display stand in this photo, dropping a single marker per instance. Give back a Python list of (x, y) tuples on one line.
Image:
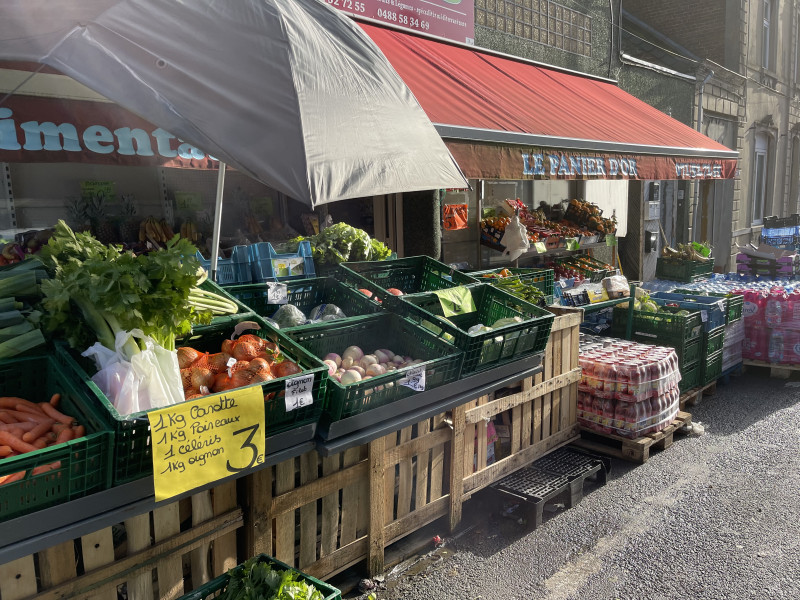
[(393, 478)]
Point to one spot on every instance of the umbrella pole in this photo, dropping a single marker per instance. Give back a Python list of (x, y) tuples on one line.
[(217, 220)]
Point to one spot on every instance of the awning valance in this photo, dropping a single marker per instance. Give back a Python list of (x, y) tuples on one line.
[(513, 119)]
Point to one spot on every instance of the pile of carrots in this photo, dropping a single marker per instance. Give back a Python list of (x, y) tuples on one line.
[(26, 426)]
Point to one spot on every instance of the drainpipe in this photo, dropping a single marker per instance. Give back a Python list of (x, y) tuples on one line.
[(696, 213)]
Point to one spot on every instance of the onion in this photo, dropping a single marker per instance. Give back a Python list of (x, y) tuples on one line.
[(186, 356), (353, 352), (368, 359), (375, 370), (346, 363), (397, 359), (334, 357), (332, 366), (358, 369), (350, 376)]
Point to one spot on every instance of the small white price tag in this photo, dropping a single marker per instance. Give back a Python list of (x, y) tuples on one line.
[(231, 361), (704, 315), (562, 283), (415, 379), (276, 293), (298, 392)]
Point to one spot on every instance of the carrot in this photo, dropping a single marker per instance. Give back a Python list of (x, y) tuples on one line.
[(16, 432), (24, 426), (28, 416), (38, 431), (79, 431), (39, 443), (34, 410), (46, 468), (6, 418), (12, 401), (66, 435), (5, 450), (55, 399), (16, 443), (55, 414), (12, 478)]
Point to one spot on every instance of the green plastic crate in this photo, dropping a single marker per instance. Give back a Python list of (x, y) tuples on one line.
[(734, 304), (690, 377), (409, 275), (688, 355), (712, 368), (664, 328), (216, 586), (684, 271), (486, 349), (132, 451), (713, 340), (85, 463), (442, 361), (542, 279), (306, 294)]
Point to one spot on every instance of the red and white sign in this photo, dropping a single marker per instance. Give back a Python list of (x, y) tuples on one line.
[(451, 19)]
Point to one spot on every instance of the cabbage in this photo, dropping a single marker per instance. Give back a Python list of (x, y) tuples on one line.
[(289, 315)]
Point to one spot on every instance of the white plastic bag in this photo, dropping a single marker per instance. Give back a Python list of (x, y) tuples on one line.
[(515, 239), (150, 379)]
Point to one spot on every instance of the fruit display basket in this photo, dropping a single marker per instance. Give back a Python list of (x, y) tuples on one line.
[(667, 327), (216, 586), (440, 360), (712, 309), (684, 271), (60, 472), (132, 449), (408, 275), (487, 348), (306, 294)]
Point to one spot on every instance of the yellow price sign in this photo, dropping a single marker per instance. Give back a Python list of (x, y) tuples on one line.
[(204, 440)]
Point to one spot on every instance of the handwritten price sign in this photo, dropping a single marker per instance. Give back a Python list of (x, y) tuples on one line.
[(298, 392), (415, 379), (198, 442)]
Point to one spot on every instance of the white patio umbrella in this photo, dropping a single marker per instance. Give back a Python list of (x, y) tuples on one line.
[(290, 92)]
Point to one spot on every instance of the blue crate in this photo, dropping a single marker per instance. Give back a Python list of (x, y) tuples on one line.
[(266, 263), (233, 270), (712, 309)]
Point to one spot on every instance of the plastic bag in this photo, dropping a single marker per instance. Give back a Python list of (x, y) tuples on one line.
[(326, 312), (617, 286), (150, 379), (455, 217), (515, 239)]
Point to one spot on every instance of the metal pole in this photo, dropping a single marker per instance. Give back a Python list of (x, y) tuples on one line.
[(217, 220)]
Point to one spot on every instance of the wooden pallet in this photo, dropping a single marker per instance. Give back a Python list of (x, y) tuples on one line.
[(637, 450), (694, 395), (775, 370)]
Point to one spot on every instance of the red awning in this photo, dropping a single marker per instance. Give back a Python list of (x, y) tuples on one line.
[(493, 110)]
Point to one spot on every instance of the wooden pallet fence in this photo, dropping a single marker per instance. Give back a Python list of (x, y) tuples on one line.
[(325, 514), (157, 555)]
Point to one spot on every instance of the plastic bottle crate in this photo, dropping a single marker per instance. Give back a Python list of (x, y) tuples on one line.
[(713, 340), (269, 265), (80, 467), (409, 275), (306, 294), (684, 271), (713, 310), (664, 328), (486, 349), (690, 377), (216, 586), (542, 279), (712, 368), (233, 270), (441, 360), (132, 450)]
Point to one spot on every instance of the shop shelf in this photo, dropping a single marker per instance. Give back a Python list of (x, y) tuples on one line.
[(665, 327), (234, 270), (711, 368), (132, 450), (540, 278), (216, 586), (269, 265), (713, 340), (485, 349), (684, 271), (409, 275), (442, 361), (80, 467), (712, 309), (306, 294)]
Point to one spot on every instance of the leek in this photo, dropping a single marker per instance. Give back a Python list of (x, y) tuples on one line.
[(21, 343), (9, 304), (11, 317), (17, 284), (7, 333)]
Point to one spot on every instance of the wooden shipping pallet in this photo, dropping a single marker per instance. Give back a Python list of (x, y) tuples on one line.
[(693, 396), (636, 450), (775, 370)]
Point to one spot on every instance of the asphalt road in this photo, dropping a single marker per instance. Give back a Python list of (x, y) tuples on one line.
[(715, 516)]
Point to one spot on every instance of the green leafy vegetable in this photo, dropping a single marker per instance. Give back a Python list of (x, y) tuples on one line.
[(258, 580), (342, 243)]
